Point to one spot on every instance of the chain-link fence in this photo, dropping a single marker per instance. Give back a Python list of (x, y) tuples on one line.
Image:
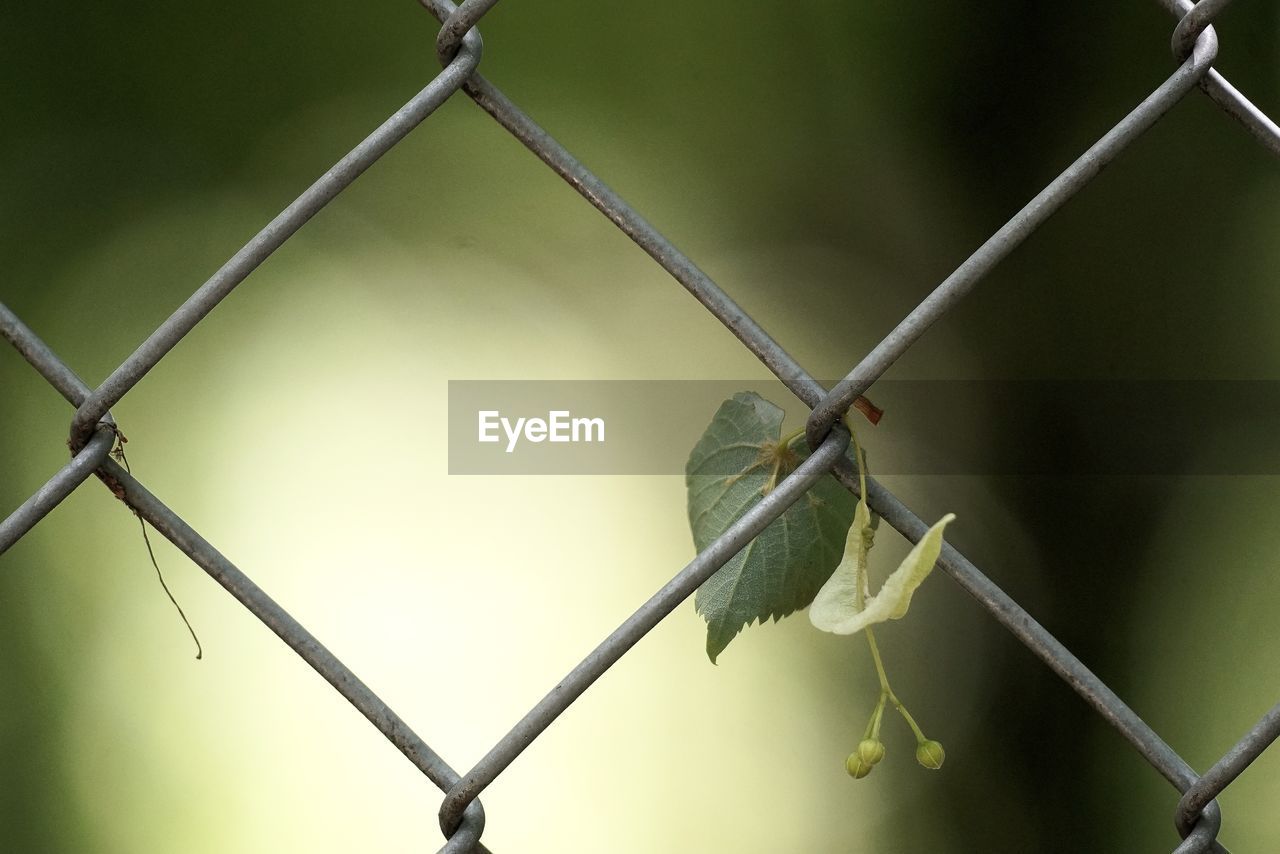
[(93, 431)]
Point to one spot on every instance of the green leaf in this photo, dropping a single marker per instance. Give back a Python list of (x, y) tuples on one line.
[(738, 460), (840, 609)]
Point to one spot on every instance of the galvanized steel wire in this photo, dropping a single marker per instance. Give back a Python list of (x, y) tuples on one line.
[(459, 47)]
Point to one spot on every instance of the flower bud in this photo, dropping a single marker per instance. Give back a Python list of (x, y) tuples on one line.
[(930, 754), (856, 767), (871, 750)]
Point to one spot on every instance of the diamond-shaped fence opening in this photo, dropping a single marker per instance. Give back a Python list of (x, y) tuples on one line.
[(93, 433)]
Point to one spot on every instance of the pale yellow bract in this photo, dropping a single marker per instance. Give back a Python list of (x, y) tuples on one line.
[(839, 605)]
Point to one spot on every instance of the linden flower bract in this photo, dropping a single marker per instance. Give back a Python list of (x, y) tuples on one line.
[(842, 605)]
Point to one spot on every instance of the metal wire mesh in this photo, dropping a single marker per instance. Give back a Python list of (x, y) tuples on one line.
[(459, 47)]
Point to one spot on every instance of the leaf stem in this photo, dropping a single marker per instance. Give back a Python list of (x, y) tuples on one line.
[(911, 722), (875, 656), (879, 716), (861, 461), (886, 692), (873, 723), (790, 437)]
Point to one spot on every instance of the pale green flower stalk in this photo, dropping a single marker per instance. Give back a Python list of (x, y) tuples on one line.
[(844, 606)]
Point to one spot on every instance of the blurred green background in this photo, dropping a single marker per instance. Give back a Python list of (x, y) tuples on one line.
[(828, 164)]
